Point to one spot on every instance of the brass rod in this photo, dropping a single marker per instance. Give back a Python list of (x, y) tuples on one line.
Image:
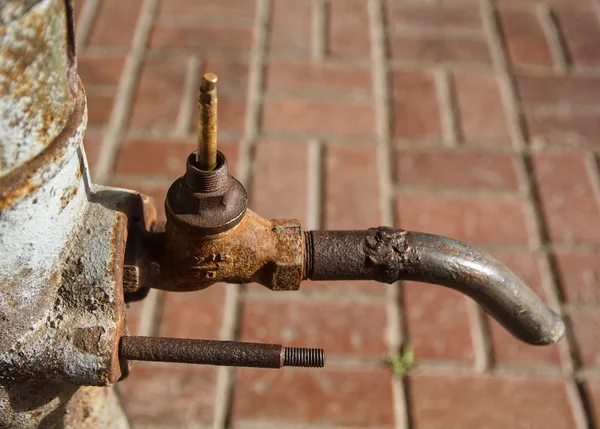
[(206, 157)]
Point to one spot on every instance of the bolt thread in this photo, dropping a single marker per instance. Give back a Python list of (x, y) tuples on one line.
[(308, 255), (206, 181), (304, 357)]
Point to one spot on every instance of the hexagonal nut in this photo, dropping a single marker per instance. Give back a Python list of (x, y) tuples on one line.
[(287, 273), (131, 278)]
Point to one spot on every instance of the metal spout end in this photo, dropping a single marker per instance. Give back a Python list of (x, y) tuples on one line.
[(303, 357)]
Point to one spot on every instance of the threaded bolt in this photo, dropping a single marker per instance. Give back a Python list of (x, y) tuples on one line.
[(303, 357)]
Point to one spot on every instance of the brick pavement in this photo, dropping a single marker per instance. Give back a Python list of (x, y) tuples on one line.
[(476, 119)]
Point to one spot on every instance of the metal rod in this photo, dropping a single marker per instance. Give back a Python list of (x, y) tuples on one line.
[(388, 255), (206, 157), (224, 353)]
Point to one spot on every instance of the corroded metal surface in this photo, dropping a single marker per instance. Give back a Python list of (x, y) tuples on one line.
[(31, 405), (35, 94), (256, 250), (72, 332), (61, 254), (38, 224), (206, 202), (389, 255), (224, 353)]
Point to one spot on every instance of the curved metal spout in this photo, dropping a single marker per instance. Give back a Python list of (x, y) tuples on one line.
[(388, 255)]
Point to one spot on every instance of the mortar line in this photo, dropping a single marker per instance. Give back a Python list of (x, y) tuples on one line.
[(591, 164), (318, 46), (385, 155), (121, 108), (150, 313), (552, 31), (189, 97), (87, 16), (451, 135), (518, 131), (315, 186), (480, 335), (234, 295), (314, 218), (445, 96)]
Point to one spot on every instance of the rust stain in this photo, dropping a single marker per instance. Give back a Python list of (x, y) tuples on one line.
[(88, 339), (477, 277), (256, 250), (23, 181), (67, 196), (448, 250)]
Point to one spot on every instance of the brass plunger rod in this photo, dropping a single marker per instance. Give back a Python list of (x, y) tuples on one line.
[(206, 158)]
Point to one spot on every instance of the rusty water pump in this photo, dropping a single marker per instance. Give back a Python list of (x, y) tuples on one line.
[(72, 253)]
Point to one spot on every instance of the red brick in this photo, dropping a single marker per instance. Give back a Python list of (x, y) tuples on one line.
[(345, 288), (439, 48), (193, 314), (416, 112), (351, 188), (587, 336), (77, 7), (507, 350), (451, 169), (233, 76), (438, 16), (572, 3), (115, 23), (99, 70), (99, 108), (525, 39), (471, 219), (201, 39), (581, 30), (154, 158), (438, 323), (481, 112), (222, 12), (158, 96), (441, 402), (592, 391), (340, 328), (318, 116), (232, 86), (318, 77), (279, 187), (92, 144), (349, 28), (163, 158), (290, 26), (357, 398), (567, 91), (169, 395), (231, 112), (133, 317), (579, 275), (568, 199), (563, 129)]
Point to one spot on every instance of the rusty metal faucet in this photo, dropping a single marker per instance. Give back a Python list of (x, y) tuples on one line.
[(211, 236), (72, 253)]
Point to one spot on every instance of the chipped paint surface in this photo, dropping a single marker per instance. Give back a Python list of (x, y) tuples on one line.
[(35, 98), (61, 406), (62, 240)]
